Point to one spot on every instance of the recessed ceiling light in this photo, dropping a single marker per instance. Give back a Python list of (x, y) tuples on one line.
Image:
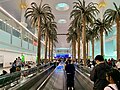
[(62, 21), (102, 4), (62, 7)]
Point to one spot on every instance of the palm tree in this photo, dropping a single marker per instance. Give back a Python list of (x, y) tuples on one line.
[(47, 28), (86, 14), (52, 35), (113, 15), (77, 25), (49, 44), (72, 38), (52, 31), (92, 34), (69, 39), (53, 38), (102, 26), (88, 37), (37, 15)]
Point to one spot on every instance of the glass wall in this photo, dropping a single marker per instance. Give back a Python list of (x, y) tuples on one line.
[(13, 33)]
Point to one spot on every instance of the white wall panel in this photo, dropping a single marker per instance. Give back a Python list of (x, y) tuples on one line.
[(10, 56)]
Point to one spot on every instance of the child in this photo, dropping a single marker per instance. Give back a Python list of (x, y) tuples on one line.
[(113, 77)]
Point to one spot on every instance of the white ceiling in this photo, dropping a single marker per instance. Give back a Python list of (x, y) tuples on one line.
[(13, 7)]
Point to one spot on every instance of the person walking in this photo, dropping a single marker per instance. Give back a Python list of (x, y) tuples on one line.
[(98, 74), (70, 72)]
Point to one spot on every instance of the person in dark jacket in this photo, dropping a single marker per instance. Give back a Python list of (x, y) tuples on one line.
[(70, 72), (98, 74)]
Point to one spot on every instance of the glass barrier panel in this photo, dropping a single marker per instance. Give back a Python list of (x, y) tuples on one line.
[(4, 36), (8, 29), (16, 41), (16, 33)]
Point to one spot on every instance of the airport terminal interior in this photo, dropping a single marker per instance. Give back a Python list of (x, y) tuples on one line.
[(56, 44)]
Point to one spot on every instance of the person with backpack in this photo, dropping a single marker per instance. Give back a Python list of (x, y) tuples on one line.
[(98, 74), (113, 77)]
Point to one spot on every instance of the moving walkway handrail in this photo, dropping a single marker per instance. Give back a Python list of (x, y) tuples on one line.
[(33, 82), (44, 82), (86, 82)]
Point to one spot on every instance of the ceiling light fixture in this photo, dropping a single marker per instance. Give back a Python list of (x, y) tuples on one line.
[(102, 4), (23, 5), (62, 7), (62, 21)]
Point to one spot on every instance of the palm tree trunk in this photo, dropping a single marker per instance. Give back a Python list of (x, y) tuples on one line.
[(93, 48), (84, 41), (101, 42), (46, 40), (78, 46), (72, 49), (39, 43), (87, 50), (49, 49), (52, 50), (118, 37)]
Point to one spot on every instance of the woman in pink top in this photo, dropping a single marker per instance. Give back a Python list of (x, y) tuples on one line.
[(113, 77)]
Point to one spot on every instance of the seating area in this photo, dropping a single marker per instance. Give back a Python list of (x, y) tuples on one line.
[(9, 78)]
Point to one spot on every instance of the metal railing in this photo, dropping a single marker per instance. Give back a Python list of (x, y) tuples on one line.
[(83, 78)]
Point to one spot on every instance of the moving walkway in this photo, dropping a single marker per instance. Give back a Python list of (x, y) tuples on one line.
[(54, 79)]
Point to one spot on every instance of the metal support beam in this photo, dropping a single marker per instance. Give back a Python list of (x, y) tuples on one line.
[(62, 34)]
